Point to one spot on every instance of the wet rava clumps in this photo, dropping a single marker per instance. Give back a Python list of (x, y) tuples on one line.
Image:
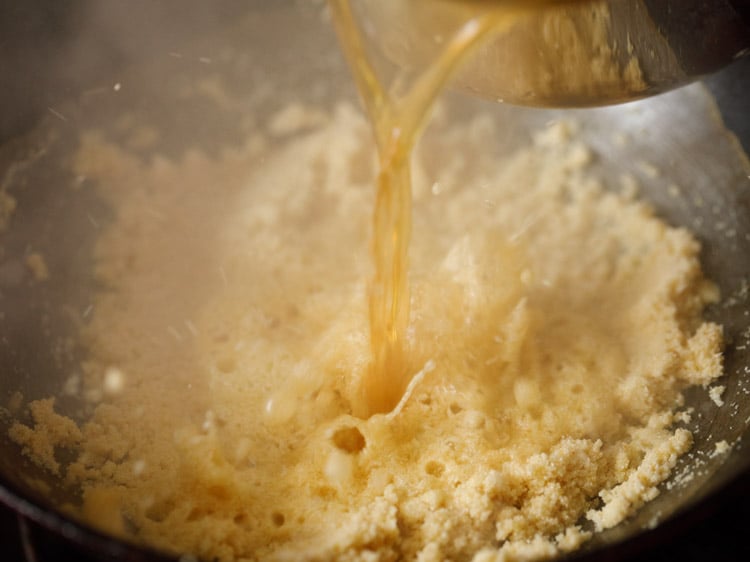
[(553, 325)]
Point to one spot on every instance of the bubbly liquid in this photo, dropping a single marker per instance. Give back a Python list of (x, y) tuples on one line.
[(397, 120)]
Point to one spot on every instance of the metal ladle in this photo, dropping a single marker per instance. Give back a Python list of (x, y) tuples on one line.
[(568, 53)]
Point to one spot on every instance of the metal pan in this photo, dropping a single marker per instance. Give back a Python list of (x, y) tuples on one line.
[(84, 66)]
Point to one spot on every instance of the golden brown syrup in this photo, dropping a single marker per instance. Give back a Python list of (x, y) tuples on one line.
[(397, 120)]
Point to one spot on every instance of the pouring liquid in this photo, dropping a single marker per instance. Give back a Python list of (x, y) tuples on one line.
[(397, 120)]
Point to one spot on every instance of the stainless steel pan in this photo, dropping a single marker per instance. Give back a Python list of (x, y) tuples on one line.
[(81, 66)]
